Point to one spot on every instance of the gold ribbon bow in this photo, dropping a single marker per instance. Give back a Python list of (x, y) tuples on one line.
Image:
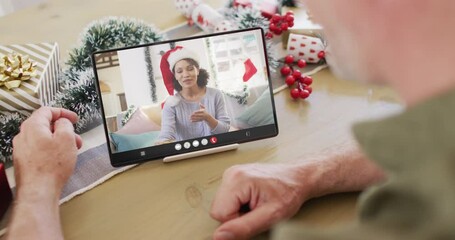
[(15, 68)]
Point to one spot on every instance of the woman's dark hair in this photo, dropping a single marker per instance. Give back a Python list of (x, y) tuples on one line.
[(202, 78)]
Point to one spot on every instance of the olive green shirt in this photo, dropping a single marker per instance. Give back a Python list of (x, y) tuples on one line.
[(417, 151)]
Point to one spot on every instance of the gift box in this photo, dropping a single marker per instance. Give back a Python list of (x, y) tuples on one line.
[(28, 76), (5, 192), (302, 24)]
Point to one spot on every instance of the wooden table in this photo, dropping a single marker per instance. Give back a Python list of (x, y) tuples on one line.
[(172, 201)]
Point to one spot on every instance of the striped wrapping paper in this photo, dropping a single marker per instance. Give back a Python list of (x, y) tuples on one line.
[(38, 91)]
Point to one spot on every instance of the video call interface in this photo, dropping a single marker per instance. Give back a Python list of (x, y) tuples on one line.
[(184, 93)]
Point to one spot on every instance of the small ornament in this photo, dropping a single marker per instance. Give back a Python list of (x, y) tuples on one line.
[(307, 80), (297, 74), (309, 89), (301, 63), (304, 94), (286, 70), (290, 80), (289, 59), (295, 93)]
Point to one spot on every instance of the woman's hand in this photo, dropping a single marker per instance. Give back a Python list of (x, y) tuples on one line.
[(203, 115)]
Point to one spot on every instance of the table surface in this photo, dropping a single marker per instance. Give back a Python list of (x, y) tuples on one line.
[(172, 201)]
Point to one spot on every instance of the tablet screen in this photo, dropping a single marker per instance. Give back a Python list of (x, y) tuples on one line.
[(185, 95)]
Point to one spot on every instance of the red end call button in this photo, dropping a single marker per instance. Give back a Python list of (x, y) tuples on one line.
[(213, 140)]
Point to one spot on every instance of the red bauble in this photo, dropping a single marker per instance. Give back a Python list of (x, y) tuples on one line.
[(269, 35), (301, 63), (289, 13), (297, 74), (273, 27), (304, 94), (284, 26), (295, 93), (278, 31), (290, 80), (309, 89), (286, 70), (307, 80), (291, 24), (289, 18), (289, 59), (321, 54), (276, 18)]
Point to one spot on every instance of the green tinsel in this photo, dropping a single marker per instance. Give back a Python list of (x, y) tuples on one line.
[(79, 93), (241, 98), (9, 128), (128, 114)]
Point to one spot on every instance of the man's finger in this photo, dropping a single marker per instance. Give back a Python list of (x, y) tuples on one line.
[(248, 225), (47, 115), (228, 201), (64, 130), (78, 141)]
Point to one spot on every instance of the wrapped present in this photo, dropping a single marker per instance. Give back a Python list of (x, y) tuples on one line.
[(5, 192), (302, 24), (28, 76)]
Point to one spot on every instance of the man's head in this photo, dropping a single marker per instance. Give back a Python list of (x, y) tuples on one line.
[(372, 39)]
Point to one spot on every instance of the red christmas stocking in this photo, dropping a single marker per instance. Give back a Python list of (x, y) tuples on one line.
[(250, 70)]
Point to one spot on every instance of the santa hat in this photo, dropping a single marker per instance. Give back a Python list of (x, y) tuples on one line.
[(168, 61)]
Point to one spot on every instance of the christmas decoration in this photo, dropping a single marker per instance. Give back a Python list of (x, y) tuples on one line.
[(78, 93), (250, 70), (266, 7), (27, 83), (280, 24), (149, 65), (288, 3), (186, 7), (129, 112), (9, 127), (15, 68), (310, 49), (295, 76), (206, 18)]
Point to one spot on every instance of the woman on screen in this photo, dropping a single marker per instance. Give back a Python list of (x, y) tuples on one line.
[(193, 110)]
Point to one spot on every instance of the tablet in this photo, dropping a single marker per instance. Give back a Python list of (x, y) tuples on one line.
[(182, 96)]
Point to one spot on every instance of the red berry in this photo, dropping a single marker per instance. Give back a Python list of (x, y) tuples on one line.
[(304, 94), (289, 18), (297, 74), (289, 13), (307, 80), (276, 18), (301, 63), (269, 35), (295, 93), (321, 54), (289, 59), (273, 27), (290, 80), (284, 26), (309, 89), (286, 70), (291, 24), (278, 31)]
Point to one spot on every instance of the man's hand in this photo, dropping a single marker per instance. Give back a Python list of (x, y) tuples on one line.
[(45, 149), (271, 192), (44, 154), (274, 192)]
